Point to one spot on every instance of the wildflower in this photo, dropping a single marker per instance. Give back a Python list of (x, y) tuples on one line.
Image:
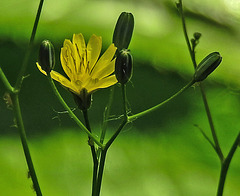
[(85, 72)]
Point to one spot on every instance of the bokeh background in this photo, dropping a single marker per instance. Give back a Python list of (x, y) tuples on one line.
[(160, 154)]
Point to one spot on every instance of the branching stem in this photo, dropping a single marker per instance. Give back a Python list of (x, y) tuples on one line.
[(71, 114)]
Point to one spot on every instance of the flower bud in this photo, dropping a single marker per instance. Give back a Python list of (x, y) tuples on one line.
[(123, 31), (207, 66), (197, 35), (46, 57), (83, 100), (123, 66)]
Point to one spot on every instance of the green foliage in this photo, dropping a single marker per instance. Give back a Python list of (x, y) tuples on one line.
[(173, 163), (135, 160)]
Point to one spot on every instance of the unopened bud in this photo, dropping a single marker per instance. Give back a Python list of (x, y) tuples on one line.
[(123, 66), (197, 35), (46, 57), (123, 31), (207, 66)]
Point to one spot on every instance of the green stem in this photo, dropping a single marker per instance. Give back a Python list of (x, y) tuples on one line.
[(106, 115), (71, 114), (5, 81), (124, 98), (192, 54), (212, 128), (105, 118), (22, 133), (16, 106), (134, 117), (28, 52), (186, 34), (207, 138), (100, 172), (111, 140), (93, 151), (225, 165), (103, 157)]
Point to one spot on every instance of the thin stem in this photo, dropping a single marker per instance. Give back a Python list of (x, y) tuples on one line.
[(105, 118), (5, 81), (22, 133), (111, 140), (192, 54), (28, 52), (71, 114), (100, 172), (93, 151), (213, 131), (124, 122), (103, 157), (207, 138), (124, 98), (186, 34), (225, 165), (16, 106), (134, 117), (109, 143), (106, 115)]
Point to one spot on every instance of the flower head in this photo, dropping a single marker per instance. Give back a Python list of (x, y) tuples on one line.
[(84, 69)]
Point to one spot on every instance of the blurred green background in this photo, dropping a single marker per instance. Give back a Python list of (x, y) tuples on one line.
[(160, 154)]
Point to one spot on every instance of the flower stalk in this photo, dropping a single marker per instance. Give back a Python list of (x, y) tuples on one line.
[(5, 81), (93, 151), (103, 156), (143, 113), (206, 105), (225, 165), (106, 115), (71, 114), (14, 96), (214, 61), (21, 74), (22, 133)]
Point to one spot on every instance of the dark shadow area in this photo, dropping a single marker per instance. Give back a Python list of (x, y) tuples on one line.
[(42, 112)]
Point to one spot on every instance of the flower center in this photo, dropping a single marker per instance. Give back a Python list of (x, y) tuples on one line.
[(95, 80), (78, 82)]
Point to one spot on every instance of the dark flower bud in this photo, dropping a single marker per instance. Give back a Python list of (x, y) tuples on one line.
[(197, 35), (207, 66), (123, 31), (46, 57), (123, 66), (178, 5), (83, 100), (193, 41)]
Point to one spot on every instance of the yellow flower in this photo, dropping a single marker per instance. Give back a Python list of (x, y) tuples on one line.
[(86, 72)]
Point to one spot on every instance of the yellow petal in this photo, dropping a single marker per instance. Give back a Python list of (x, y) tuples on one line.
[(105, 71), (103, 83), (61, 79), (78, 41), (68, 59), (94, 47), (40, 68), (64, 81), (105, 59)]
